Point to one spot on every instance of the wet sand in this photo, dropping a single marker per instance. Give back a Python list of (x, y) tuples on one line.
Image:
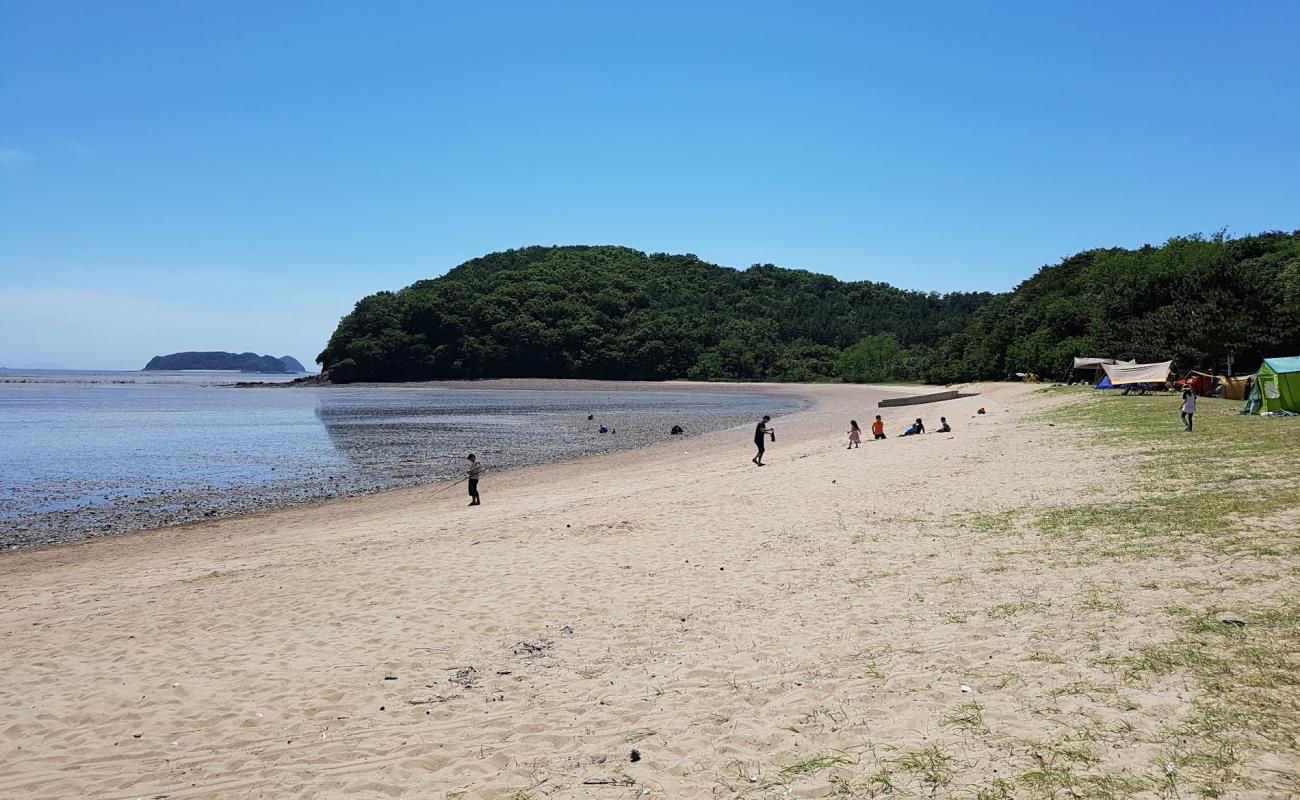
[(87, 459)]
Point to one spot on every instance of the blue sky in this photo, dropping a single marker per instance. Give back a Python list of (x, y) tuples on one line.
[(236, 175)]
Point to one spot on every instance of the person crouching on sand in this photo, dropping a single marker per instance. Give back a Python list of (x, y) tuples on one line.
[(944, 427), (855, 434), (760, 431), (475, 470), (878, 428)]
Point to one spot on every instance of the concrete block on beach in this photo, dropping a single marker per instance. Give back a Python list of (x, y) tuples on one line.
[(918, 399)]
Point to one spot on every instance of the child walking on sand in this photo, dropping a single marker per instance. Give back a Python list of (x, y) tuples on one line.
[(1188, 409), (855, 434)]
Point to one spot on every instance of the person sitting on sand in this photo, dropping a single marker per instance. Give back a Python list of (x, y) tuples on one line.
[(944, 427), (760, 431), (878, 428), (475, 470), (915, 428), (855, 434)]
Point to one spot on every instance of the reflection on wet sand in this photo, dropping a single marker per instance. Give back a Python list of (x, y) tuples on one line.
[(92, 461)]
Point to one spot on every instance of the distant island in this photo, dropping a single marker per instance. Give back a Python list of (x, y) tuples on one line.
[(217, 360), (615, 312)]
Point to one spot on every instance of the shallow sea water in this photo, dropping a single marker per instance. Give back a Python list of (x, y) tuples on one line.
[(103, 453)]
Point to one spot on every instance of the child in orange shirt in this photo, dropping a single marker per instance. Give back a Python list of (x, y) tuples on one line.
[(878, 428)]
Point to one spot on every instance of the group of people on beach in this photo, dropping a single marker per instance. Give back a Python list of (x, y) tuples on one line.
[(878, 429), (763, 432)]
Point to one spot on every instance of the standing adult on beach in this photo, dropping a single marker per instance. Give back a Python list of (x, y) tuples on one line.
[(761, 431), (475, 470), (1188, 409)]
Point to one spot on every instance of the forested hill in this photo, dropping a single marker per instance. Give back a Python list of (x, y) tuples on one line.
[(1195, 299), (221, 360), (612, 312)]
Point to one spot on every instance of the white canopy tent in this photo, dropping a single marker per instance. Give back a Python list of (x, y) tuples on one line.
[(1121, 374), (1096, 363)]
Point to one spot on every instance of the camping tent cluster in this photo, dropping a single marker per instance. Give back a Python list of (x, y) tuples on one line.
[(1276, 388), (1207, 385)]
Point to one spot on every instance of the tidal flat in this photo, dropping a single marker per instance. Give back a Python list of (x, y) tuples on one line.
[(92, 456)]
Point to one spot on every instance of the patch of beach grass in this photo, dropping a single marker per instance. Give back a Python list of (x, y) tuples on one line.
[(969, 717), (1198, 488), (930, 765), (1097, 599), (1047, 779), (814, 764), (1087, 689), (821, 718), (997, 523), (999, 789), (1044, 657), (1005, 610), (1116, 787)]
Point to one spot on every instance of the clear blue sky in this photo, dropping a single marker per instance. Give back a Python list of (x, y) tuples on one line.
[(235, 175)]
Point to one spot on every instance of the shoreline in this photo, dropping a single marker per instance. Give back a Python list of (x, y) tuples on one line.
[(379, 462), (798, 392)]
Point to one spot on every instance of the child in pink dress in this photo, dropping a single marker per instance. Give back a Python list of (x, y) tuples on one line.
[(855, 434)]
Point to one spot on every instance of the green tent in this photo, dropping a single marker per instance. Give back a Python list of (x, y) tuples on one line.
[(1276, 387)]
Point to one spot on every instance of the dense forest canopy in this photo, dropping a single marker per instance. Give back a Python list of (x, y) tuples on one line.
[(613, 312)]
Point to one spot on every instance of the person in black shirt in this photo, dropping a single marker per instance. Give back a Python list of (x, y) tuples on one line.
[(760, 432), (474, 471)]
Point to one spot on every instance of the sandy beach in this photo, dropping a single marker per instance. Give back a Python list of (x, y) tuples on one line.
[(667, 622)]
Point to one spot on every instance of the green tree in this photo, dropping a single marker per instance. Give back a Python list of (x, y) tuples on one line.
[(874, 359)]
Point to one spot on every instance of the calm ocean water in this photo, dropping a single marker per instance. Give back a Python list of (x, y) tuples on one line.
[(89, 453)]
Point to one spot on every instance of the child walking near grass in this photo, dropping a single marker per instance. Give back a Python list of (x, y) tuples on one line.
[(1188, 409)]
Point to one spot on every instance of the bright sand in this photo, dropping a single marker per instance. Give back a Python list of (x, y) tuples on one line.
[(729, 623)]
